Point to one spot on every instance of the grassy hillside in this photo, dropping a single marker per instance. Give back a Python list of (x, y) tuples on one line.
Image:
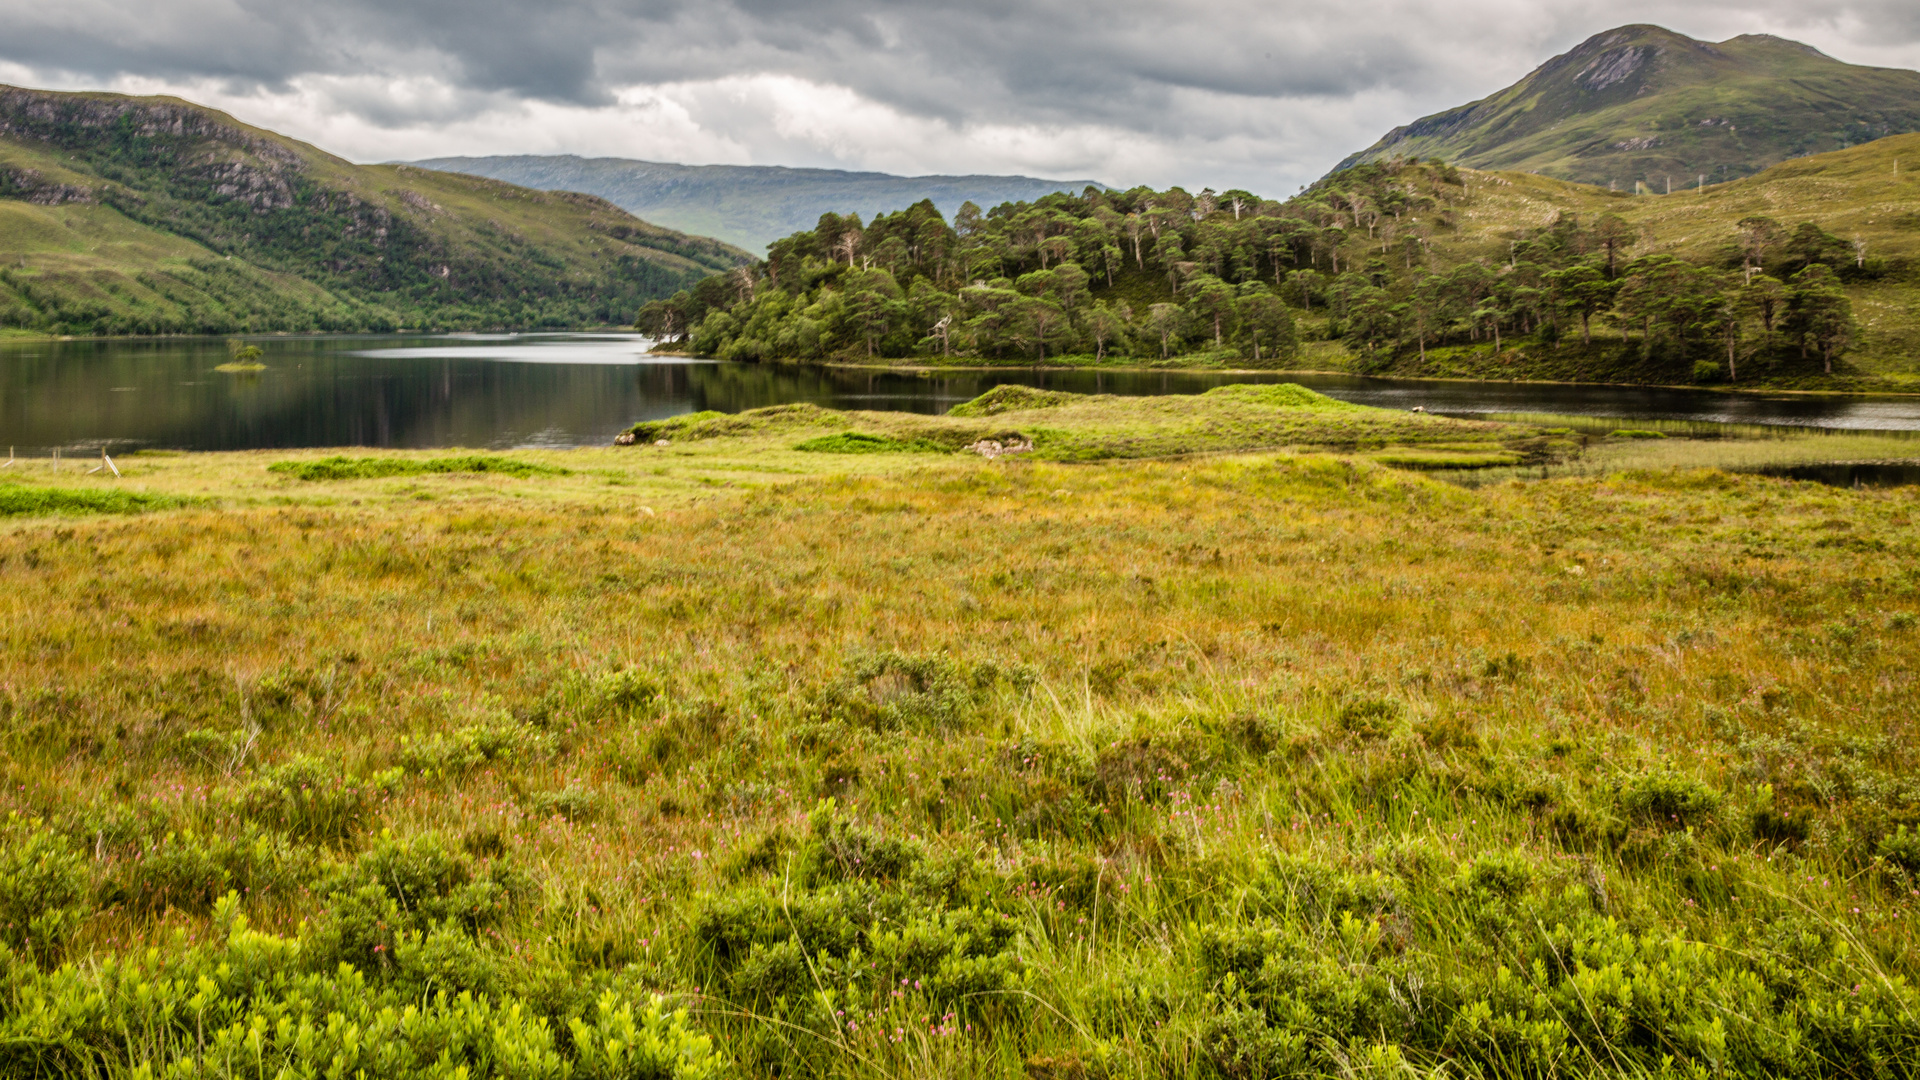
[(1644, 104), (748, 205), (729, 758), (143, 215)]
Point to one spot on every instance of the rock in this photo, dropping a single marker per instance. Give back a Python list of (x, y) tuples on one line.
[(625, 438), (993, 448)]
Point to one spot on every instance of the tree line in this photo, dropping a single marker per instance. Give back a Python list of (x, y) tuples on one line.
[(1228, 275)]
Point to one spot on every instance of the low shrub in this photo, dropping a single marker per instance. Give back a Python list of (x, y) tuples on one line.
[(412, 907), (573, 802), (841, 850), (1666, 799), (1370, 718), (43, 889), (314, 800), (465, 749), (191, 871)]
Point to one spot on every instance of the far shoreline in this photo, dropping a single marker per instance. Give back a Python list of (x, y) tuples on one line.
[(21, 337)]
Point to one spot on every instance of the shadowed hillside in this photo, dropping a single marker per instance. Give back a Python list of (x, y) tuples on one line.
[(154, 215)]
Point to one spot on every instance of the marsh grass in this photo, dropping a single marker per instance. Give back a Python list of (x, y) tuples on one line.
[(18, 499), (341, 467), (885, 765)]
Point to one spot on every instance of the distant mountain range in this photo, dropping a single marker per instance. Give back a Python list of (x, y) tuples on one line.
[(1642, 103), (747, 205), (134, 215)]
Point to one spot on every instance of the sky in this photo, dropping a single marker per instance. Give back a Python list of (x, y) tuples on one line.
[(1261, 94)]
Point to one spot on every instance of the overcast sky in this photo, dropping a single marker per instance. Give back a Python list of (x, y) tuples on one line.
[(1262, 94)]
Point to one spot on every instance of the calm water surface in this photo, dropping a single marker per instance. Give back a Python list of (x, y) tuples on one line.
[(581, 389)]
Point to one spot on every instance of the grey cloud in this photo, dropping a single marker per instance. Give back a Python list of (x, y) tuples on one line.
[(1185, 73)]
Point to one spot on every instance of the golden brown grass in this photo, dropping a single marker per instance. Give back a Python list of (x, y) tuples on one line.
[(1141, 710)]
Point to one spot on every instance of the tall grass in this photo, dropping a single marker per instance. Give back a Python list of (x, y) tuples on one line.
[(1250, 766)]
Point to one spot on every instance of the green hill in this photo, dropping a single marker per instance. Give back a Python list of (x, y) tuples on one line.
[(154, 215), (749, 205), (1644, 104)]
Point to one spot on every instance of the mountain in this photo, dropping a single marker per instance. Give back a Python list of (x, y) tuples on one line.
[(155, 215), (748, 205), (1641, 103)]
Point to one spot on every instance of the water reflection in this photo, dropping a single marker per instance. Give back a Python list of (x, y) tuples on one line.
[(582, 389), (1626, 402), (1862, 474)]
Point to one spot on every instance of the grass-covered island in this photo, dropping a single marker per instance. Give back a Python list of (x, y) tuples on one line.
[(1055, 738)]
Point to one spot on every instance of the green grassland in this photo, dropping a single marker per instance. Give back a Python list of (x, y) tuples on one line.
[(729, 758), (153, 215)]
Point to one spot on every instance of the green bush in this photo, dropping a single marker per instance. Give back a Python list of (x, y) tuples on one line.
[(1283, 396), (573, 802), (257, 1004), (1666, 799), (43, 888), (894, 691), (192, 871), (465, 749), (840, 850), (1368, 719), (652, 1044), (313, 800), (411, 908), (1902, 849)]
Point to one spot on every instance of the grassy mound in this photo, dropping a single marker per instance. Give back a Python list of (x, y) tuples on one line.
[(1011, 397), (1282, 396), (374, 468), (854, 442), (19, 500), (772, 420)]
